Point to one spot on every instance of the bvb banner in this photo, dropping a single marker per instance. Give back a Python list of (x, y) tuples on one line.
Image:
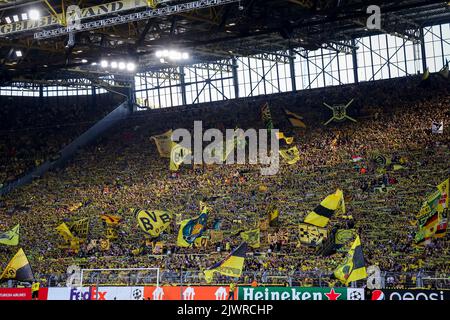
[(312, 235), (153, 222)]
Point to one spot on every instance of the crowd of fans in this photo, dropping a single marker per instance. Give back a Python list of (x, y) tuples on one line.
[(124, 171), (32, 132)]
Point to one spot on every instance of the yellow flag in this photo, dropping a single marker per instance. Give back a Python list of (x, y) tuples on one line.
[(111, 233), (64, 231), (444, 190), (295, 119), (75, 244), (281, 135), (163, 143), (111, 219), (153, 222), (291, 156), (79, 228), (11, 237), (104, 244), (252, 237), (177, 156)]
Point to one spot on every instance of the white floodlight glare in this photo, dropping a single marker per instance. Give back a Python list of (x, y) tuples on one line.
[(122, 65), (131, 66), (114, 65), (171, 54), (8, 20), (19, 54), (84, 61), (34, 14), (104, 64), (24, 16), (174, 55), (15, 18)]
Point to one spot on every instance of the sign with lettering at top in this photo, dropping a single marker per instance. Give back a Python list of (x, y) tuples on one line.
[(86, 13)]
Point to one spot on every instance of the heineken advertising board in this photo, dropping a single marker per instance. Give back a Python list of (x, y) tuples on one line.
[(298, 293)]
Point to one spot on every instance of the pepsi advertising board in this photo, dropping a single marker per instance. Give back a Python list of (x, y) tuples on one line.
[(410, 295)]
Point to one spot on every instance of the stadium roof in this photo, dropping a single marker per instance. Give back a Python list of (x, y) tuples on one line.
[(219, 30)]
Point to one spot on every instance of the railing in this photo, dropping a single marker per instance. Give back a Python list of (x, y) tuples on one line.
[(431, 280)]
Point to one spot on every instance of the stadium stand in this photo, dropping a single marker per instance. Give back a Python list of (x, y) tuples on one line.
[(124, 171)]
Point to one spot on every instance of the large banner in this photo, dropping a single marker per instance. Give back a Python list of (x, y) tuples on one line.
[(153, 222), (297, 293), (408, 295)]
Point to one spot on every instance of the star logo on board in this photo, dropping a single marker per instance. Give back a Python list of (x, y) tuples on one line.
[(332, 295)]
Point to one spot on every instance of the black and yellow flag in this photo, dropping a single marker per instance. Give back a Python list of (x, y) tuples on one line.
[(252, 237), (382, 160), (111, 220), (291, 156), (65, 232), (18, 269), (312, 235), (325, 210), (274, 213), (79, 228), (231, 266), (344, 236), (153, 222), (104, 244), (281, 135), (177, 156), (444, 189), (163, 143), (354, 267), (11, 237), (111, 233), (295, 119)]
